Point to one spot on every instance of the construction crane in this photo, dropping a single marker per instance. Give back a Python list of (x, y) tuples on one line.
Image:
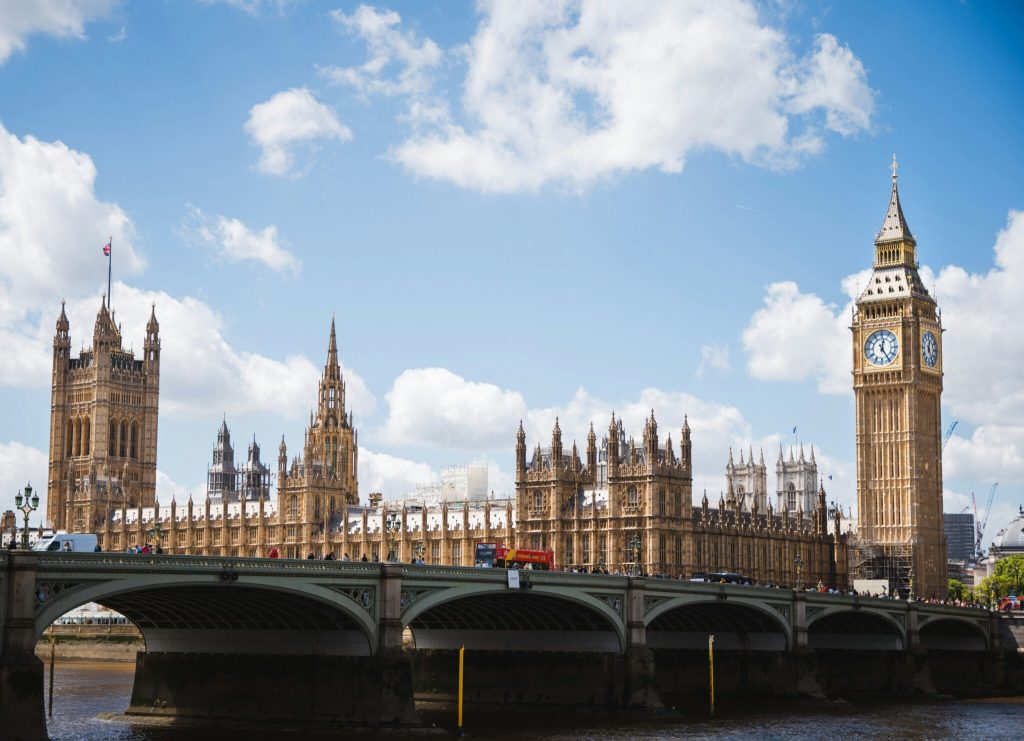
[(949, 433), (980, 524)]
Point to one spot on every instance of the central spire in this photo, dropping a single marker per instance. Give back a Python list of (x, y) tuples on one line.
[(332, 347), (894, 228)]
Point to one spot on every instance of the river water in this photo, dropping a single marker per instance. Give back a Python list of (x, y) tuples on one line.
[(88, 698)]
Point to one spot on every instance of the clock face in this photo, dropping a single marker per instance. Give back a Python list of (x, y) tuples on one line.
[(881, 347), (929, 349)]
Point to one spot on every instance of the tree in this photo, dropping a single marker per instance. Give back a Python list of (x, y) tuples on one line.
[(992, 588), (1011, 568), (957, 590)]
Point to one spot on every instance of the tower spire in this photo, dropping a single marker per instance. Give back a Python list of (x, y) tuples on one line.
[(332, 347), (894, 228)]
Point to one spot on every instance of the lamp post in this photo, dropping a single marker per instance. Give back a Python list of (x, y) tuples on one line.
[(799, 563), (391, 525), (418, 551), (634, 553), (28, 504), (157, 533)]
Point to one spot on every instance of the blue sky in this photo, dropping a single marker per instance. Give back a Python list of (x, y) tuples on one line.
[(513, 211)]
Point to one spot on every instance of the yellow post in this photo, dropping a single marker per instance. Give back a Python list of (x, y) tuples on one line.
[(53, 655), (711, 670), (462, 656)]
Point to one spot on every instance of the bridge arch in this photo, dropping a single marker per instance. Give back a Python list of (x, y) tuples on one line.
[(186, 613), (738, 624), (949, 633), (493, 617), (844, 628)]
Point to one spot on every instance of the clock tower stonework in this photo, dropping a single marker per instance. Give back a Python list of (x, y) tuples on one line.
[(897, 384)]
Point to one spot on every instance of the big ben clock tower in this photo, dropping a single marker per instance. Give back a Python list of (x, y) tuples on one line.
[(897, 383)]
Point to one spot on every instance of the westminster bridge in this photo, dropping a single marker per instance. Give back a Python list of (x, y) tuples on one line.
[(327, 642)]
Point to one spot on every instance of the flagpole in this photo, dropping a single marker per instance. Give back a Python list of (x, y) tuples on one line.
[(110, 263)]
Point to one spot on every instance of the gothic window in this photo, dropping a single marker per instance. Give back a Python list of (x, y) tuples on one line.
[(124, 439), (677, 547), (70, 439), (568, 551), (538, 500), (790, 496), (334, 503), (330, 399), (677, 503), (631, 496), (86, 435), (661, 502), (602, 548), (585, 546), (316, 508), (293, 506), (135, 440), (662, 548), (435, 552), (536, 543), (78, 437), (456, 554)]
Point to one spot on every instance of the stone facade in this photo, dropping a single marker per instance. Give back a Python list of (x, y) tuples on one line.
[(103, 425), (897, 383), (796, 481), (597, 512)]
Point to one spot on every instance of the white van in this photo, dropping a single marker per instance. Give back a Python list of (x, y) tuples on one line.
[(74, 542)]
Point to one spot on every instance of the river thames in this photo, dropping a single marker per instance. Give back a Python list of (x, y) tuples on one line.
[(88, 697)]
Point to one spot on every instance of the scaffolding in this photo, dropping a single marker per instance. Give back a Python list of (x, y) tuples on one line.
[(894, 563)]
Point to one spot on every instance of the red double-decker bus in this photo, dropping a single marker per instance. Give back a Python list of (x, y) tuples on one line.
[(503, 557)]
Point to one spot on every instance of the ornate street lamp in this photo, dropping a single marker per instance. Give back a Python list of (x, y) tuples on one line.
[(28, 504), (157, 533), (392, 524), (418, 551), (634, 553), (799, 563)]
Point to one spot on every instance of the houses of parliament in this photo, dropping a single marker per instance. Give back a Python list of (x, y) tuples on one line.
[(618, 504)]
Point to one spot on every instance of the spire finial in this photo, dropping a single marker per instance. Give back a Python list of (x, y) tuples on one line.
[(895, 166)]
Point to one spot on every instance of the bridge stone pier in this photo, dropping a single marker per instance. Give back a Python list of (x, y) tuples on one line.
[(313, 644)]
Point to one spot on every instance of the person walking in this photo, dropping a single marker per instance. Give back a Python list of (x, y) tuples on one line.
[(273, 553)]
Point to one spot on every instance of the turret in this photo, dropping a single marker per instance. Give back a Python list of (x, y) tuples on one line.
[(685, 446), (592, 451), (62, 337), (651, 439), (556, 446), (282, 461), (151, 347), (613, 447), (520, 451)]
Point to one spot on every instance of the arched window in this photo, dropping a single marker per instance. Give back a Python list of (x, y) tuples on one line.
[(334, 504), (790, 496), (112, 439), (538, 500), (631, 497), (135, 440), (69, 441), (77, 437), (124, 439), (293, 506), (86, 436), (316, 508), (661, 501)]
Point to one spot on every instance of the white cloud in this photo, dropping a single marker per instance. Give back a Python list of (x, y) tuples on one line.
[(167, 490), (290, 120), (20, 465), (435, 407), (254, 7), (53, 226), (236, 242), (573, 91), (390, 51), (796, 336), (394, 477), (714, 355), (993, 452), (19, 19)]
